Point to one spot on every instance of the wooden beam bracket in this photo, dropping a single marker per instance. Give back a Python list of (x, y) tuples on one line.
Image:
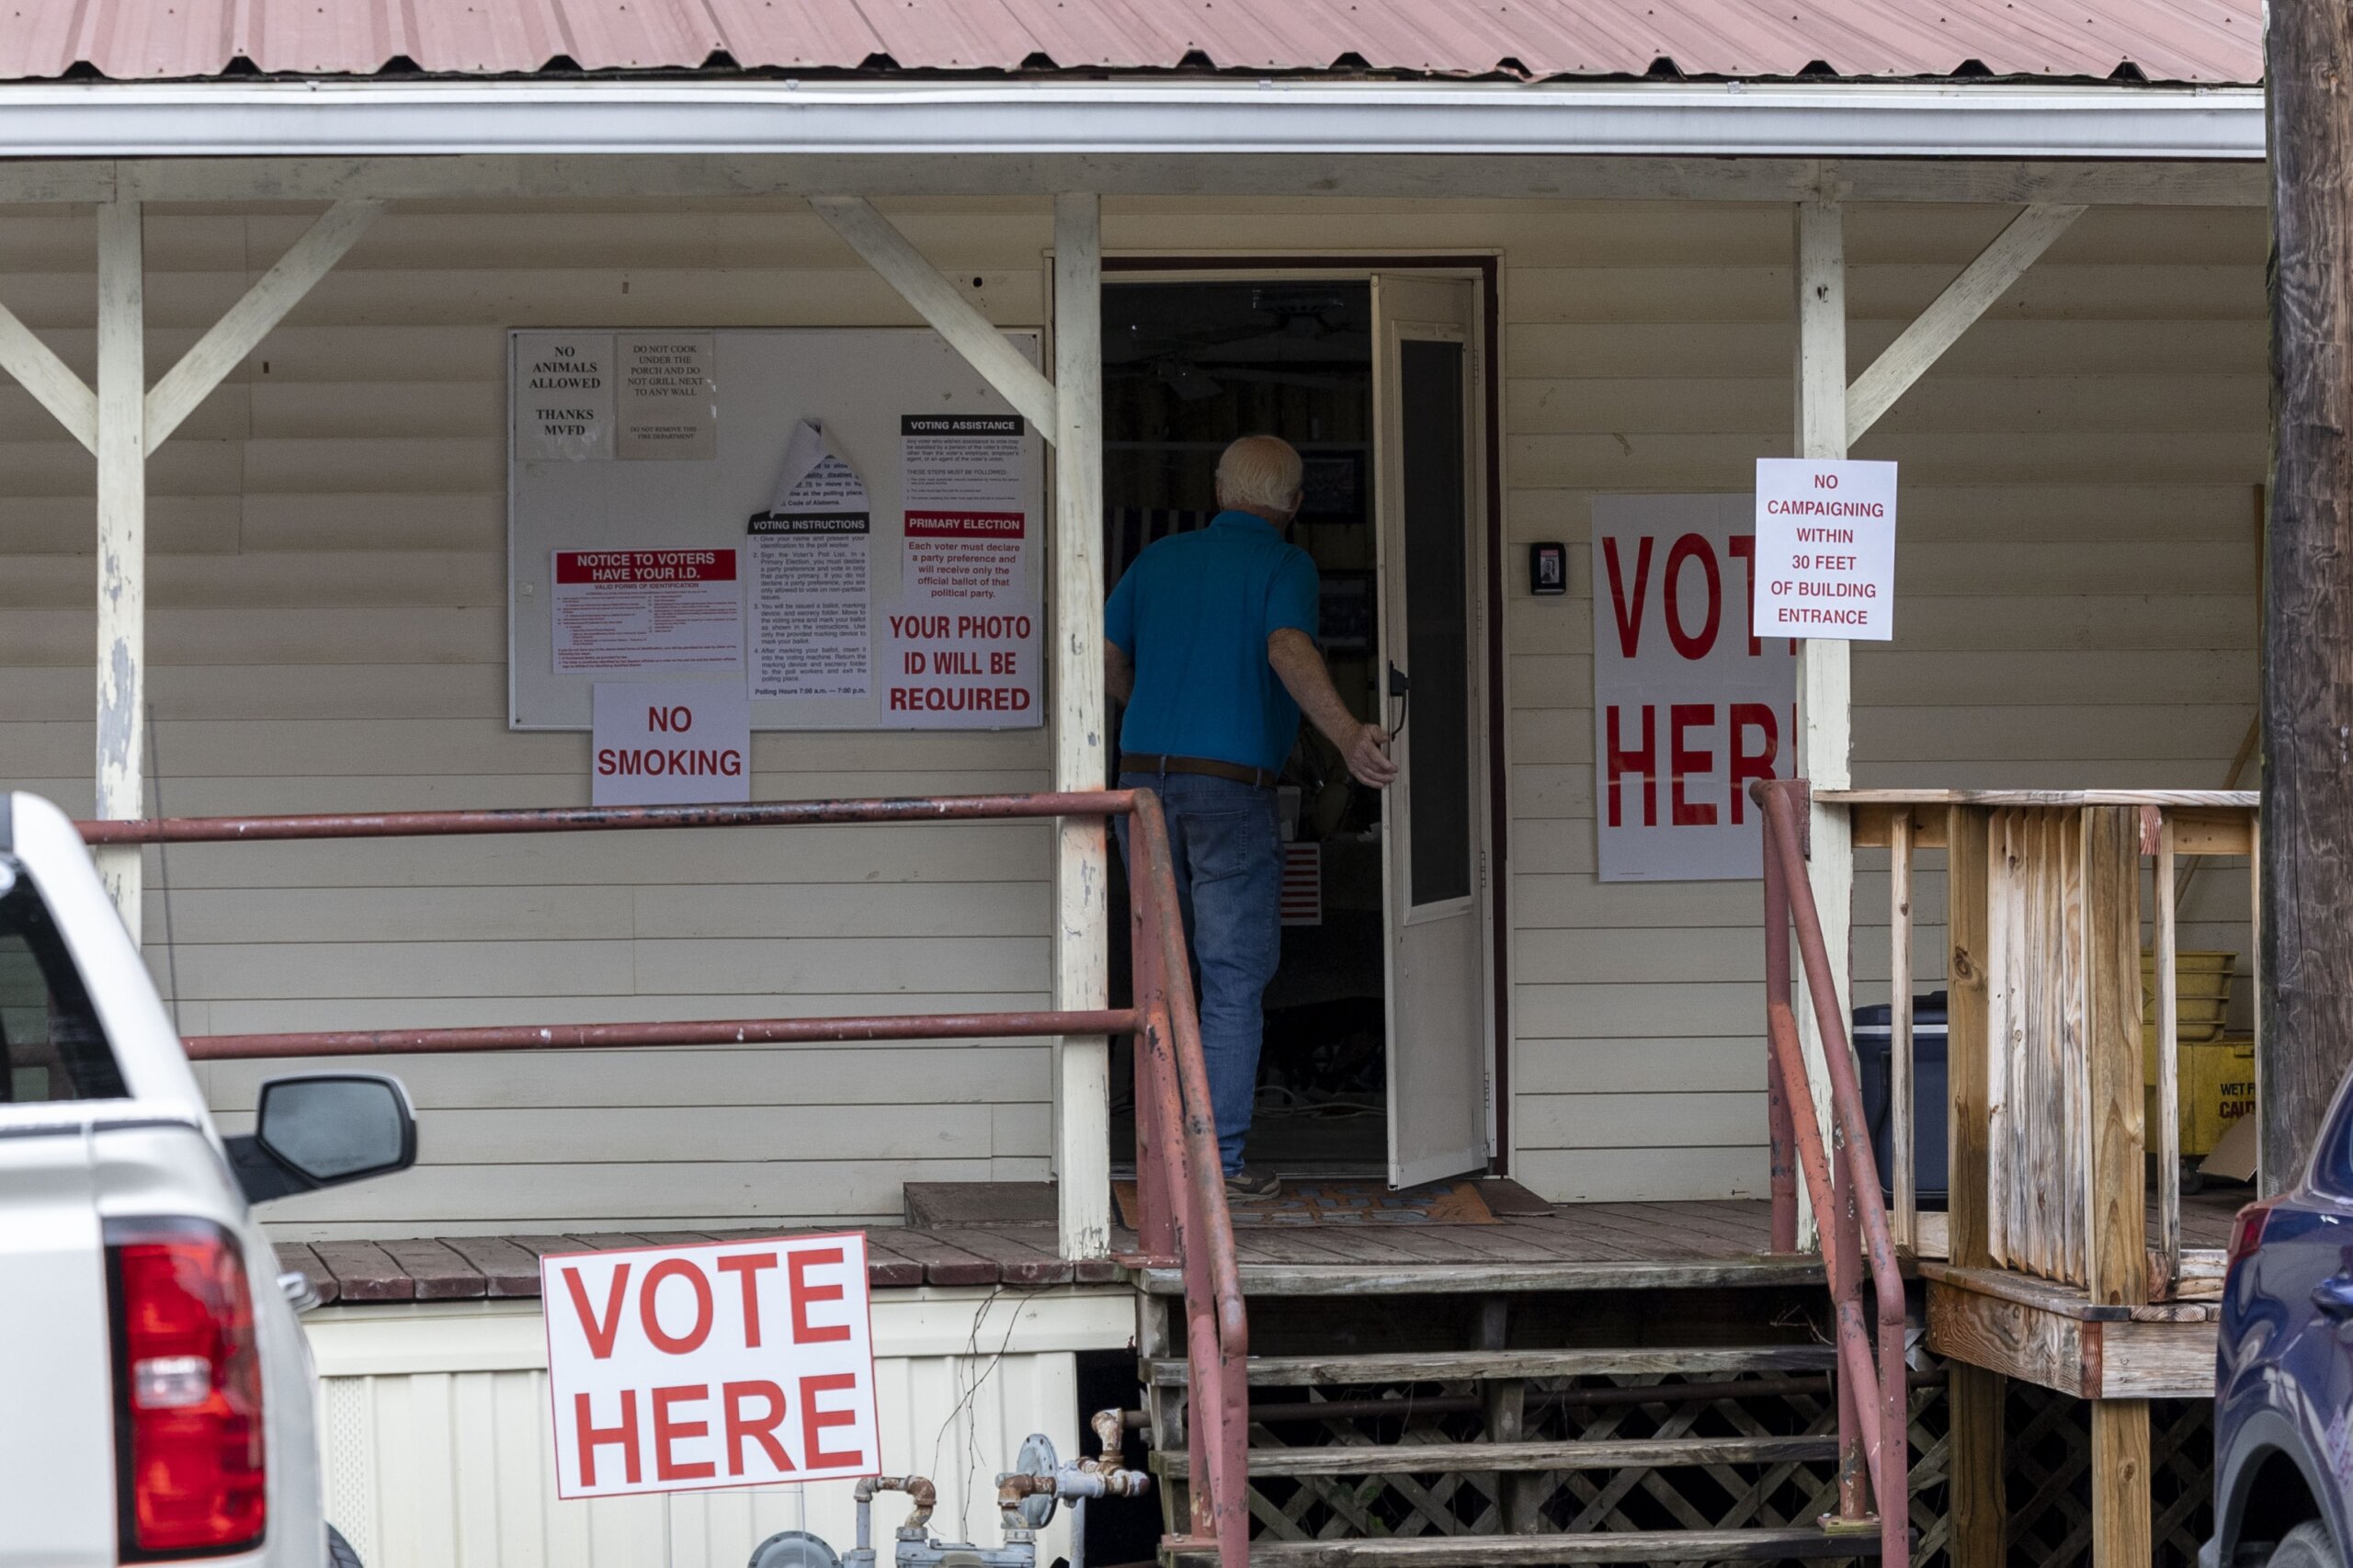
[(53, 383), (1966, 298), (895, 257), (209, 361)]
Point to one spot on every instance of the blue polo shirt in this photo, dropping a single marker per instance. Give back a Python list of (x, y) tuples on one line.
[(1193, 613)]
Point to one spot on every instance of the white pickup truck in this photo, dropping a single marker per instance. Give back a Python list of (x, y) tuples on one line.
[(156, 1394)]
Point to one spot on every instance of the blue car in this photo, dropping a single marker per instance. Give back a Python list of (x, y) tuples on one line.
[(2283, 1391)]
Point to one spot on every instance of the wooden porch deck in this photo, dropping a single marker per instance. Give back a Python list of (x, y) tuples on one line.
[(1577, 1246)]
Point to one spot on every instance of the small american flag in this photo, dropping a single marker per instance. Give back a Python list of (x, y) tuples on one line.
[(1302, 896)]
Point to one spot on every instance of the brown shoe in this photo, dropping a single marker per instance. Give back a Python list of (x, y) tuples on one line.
[(1250, 1181)]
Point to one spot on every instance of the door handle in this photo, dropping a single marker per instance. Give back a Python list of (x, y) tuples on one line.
[(2334, 1295), (1401, 689)]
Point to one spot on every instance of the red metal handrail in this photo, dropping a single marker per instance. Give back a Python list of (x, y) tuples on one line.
[(1180, 1182), (1875, 1435)]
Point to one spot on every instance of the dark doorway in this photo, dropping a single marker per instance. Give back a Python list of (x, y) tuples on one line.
[(1186, 368)]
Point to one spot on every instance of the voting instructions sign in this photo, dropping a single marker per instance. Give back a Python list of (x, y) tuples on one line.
[(681, 1368), (1826, 549), (1690, 704)]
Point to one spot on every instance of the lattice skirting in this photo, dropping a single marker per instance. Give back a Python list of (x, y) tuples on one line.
[(2047, 1469), (1682, 1497)]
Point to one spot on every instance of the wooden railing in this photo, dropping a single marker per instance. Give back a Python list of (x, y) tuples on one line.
[(2045, 1048), (1842, 1182), (1180, 1183)]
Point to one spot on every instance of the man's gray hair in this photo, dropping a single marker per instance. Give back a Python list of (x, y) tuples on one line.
[(1261, 473)]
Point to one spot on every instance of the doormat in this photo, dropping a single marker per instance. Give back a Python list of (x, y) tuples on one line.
[(1315, 1203)]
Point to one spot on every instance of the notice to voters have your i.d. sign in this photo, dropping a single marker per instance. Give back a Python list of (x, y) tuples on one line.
[(1826, 550)]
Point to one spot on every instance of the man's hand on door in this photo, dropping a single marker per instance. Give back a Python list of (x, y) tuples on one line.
[(1364, 747), (1368, 757)]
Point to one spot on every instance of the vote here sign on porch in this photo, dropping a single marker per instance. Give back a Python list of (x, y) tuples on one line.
[(678, 1369), (1689, 705)]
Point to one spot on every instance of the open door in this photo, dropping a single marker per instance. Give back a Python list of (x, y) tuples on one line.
[(1428, 499)]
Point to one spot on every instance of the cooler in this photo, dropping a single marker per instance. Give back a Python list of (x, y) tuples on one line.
[(1874, 1037)]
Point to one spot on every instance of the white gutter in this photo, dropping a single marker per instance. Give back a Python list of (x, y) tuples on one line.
[(379, 119)]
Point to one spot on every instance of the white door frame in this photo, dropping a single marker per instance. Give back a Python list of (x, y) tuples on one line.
[(1485, 269)]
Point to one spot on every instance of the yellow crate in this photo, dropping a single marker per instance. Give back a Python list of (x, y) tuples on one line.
[(2217, 1088), (2202, 994)]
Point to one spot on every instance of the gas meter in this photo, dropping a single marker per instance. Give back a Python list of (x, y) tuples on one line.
[(1026, 1497)]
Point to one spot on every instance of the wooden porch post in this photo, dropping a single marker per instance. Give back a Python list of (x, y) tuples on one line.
[(1082, 916), (1069, 412), (1975, 1396), (2304, 955), (2116, 1252), (1824, 726), (121, 423), (122, 540)]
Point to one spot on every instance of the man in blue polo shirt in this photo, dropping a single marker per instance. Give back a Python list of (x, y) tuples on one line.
[(1210, 639)]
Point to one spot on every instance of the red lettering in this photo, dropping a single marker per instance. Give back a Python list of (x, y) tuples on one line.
[(667, 1431), (1644, 762), (675, 1268), (1691, 547), (748, 1264), (814, 1422), (1630, 627), (731, 1397), (1680, 717), (1745, 764), (803, 1332), (588, 1437), (600, 1335)]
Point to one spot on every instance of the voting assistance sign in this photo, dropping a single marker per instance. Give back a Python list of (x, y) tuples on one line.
[(680, 1369)]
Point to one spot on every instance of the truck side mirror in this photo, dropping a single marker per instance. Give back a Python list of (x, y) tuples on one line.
[(322, 1130)]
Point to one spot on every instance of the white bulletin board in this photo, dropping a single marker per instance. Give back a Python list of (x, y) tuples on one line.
[(643, 458)]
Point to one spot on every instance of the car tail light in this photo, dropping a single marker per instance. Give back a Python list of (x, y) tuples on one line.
[(2246, 1231), (191, 1471)]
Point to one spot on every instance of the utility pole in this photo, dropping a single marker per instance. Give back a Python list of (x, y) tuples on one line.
[(2304, 955)]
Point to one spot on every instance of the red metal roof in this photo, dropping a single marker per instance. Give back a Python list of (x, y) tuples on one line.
[(2160, 40)]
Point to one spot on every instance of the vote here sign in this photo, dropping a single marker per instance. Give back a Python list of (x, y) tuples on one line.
[(1689, 705), (679, 1369), (1826, 549)]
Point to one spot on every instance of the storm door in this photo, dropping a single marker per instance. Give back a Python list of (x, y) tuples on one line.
[(1428, 496)]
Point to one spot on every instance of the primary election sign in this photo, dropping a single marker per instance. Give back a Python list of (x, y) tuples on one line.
[(683, 1369), (1826, 549), (1689, 704)]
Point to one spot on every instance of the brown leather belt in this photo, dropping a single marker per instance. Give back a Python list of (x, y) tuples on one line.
[(1145, 762)]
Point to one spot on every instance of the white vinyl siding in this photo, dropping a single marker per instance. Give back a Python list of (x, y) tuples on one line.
[(2076, 605), (437, 1441), (328, 632), (2076, 579)]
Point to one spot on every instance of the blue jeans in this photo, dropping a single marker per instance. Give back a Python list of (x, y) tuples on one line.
[(1229, 865)]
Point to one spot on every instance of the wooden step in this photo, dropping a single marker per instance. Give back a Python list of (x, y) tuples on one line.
[(1456, 1366), (1506, 1552), (1489, 1278), (1435, 1459)]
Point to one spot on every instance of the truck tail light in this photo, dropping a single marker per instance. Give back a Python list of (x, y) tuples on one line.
[(191, 1474)]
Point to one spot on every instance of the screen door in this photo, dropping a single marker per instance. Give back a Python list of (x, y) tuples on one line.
[(1427, 500)]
